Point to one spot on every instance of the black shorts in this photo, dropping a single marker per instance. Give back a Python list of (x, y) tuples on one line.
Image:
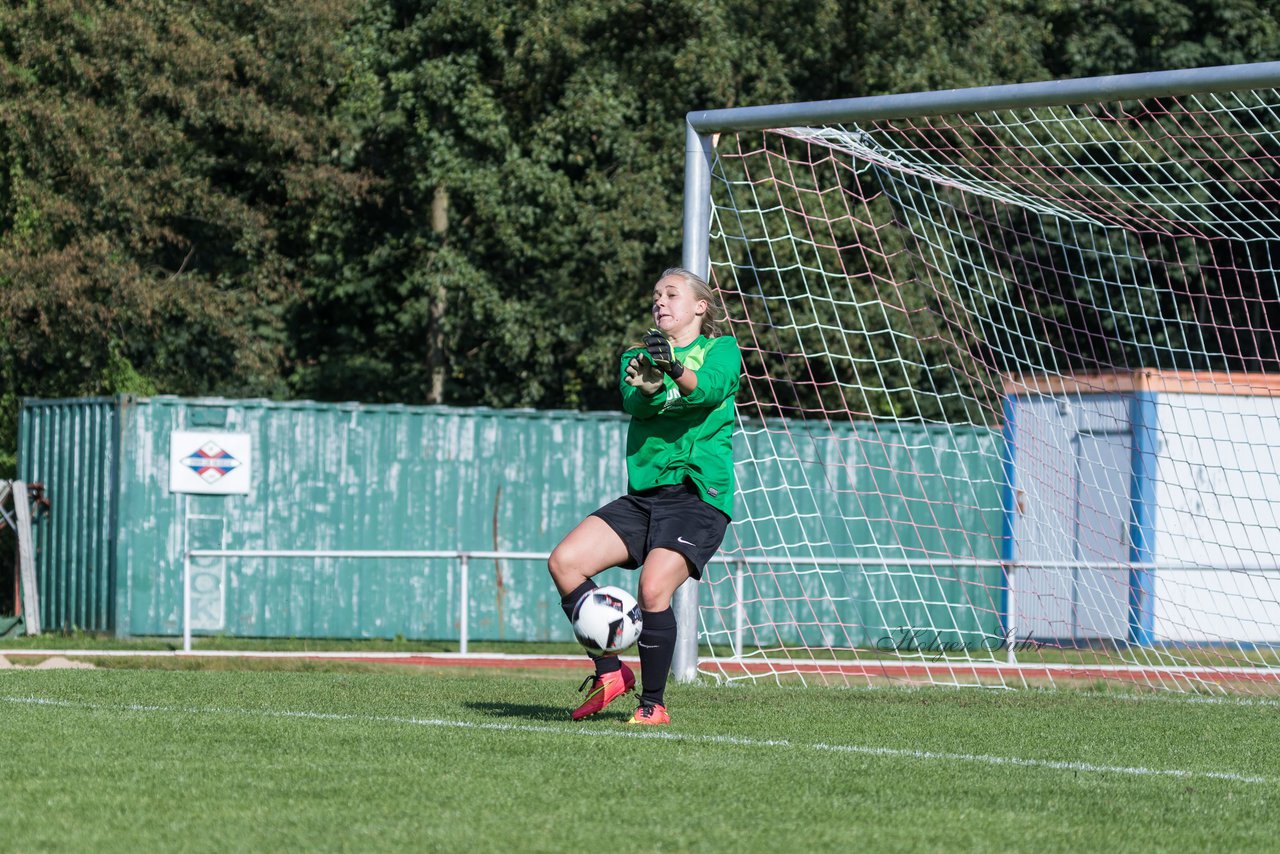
[(667, 517)]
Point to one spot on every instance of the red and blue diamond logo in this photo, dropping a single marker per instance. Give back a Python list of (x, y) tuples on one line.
[(210, 462)]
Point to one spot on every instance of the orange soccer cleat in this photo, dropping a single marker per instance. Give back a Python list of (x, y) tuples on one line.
[(654, 715), (604, 690)]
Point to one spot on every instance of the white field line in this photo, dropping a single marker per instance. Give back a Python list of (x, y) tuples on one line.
[(667, 736), (1194, 699)]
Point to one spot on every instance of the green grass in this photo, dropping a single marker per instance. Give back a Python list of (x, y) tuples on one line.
[(343, 757)]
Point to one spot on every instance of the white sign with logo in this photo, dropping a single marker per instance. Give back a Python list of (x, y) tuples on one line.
[(210, 463)]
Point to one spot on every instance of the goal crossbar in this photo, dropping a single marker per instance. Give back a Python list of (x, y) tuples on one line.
[(1048, 93)]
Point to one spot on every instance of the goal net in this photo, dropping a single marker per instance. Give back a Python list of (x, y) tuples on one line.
[(1011, 399)]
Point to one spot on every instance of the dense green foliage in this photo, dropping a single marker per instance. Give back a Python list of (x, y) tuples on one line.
[(454, 202), (430, 760), (161, 165)]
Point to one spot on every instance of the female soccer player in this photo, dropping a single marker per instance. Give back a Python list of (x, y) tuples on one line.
[(679, 389)]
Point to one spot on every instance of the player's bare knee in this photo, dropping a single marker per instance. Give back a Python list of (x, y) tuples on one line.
[(556, 564), (564, 569), (653, 595)]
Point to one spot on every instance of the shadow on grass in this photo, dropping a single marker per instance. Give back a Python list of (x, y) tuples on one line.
[(521, 710)]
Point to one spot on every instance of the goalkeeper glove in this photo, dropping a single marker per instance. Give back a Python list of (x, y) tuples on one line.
[(662, 355), (644, 376)]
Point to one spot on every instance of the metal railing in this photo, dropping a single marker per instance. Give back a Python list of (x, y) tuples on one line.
[(684, 670), (463, 557)]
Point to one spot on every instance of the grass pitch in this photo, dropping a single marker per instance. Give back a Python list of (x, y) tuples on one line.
[(345, 757)]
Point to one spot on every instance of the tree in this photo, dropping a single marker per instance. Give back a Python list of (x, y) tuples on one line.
[(157, 160), (459, 202), (530, 164)]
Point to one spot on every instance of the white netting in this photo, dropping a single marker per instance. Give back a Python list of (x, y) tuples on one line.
[(1011, 405)]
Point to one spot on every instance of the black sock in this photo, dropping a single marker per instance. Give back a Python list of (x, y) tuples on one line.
[(604, 663), (657, 646), (570, 599)]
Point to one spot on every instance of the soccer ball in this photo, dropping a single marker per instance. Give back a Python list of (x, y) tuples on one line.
[(607, 620)]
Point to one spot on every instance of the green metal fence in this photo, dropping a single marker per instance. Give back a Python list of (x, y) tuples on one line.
[(857, 529), (72, 447), (370, 477)]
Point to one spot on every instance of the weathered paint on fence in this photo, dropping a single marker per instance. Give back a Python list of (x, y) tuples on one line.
[(927, 496), (352, 476), (71, 447)]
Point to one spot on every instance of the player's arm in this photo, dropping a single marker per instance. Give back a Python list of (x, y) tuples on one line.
[(712, 383), (641, 384)]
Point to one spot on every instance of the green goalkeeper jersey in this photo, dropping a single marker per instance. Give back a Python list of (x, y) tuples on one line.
[(675, 437)]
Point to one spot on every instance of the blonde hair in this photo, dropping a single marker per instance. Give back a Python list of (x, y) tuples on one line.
[(715, 321)]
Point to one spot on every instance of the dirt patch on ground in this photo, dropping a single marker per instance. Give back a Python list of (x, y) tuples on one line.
[(53, 662)]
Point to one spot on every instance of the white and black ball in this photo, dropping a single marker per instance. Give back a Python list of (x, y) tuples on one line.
[(607, 620)]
